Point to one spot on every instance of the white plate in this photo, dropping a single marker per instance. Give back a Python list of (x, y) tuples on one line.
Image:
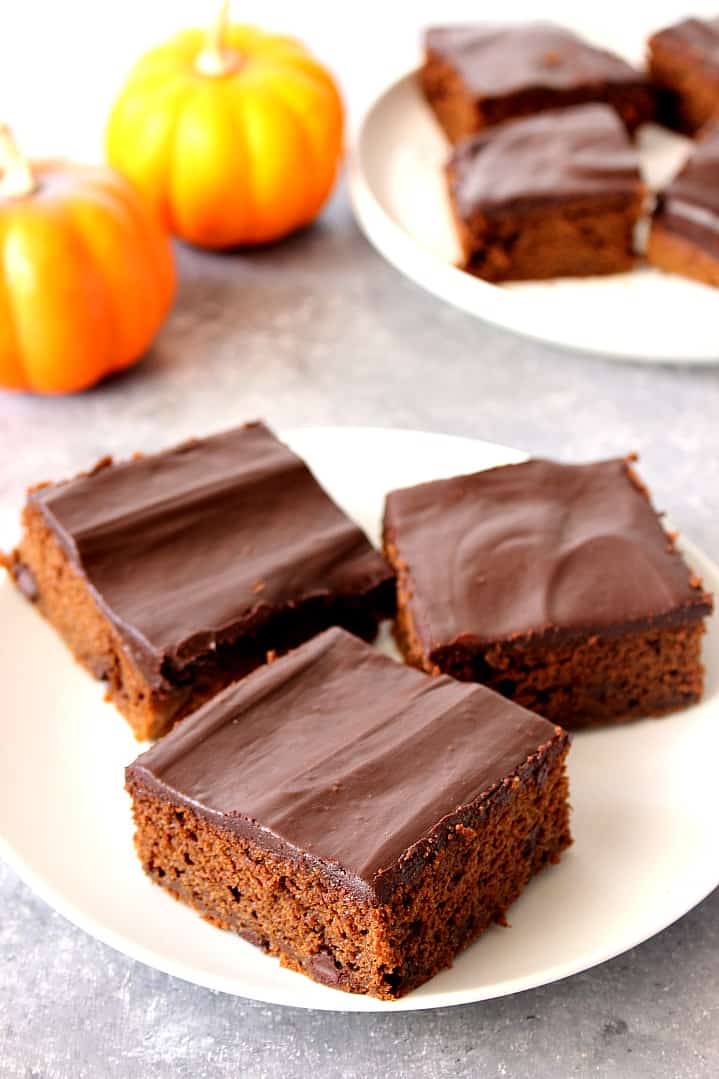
[(644, 796), (399, 196)]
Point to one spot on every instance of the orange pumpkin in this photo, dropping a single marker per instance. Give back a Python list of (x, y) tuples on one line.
[(235, 136), (87, 273)]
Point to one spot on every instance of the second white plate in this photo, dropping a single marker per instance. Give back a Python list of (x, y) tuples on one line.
[(398, 192), (645, 801)]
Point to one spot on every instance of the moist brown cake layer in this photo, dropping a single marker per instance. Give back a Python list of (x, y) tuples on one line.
[(676, 254), (684, 65), (458, 114), (43, 571), (575, 239), (590, 679), (293, 909), (684, 236), (547, 196)]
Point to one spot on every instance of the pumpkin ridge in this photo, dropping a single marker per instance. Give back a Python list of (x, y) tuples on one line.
[(263, 76), (170, 158), (129, 336), (235, 111), (202, 210), (131, 204), (167, 151), (11, 367), (112, 359), (162, 254), (325, 178), (40, 375), (163, 263), (168, 99), (295, 220), (14, 300), (311, 195)]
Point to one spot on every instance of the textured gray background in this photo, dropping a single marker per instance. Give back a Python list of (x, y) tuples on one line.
[(320, 331)]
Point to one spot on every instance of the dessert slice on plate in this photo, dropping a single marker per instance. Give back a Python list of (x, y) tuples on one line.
[(684, 234), (684, 65), (359, 819), (476, 75), (554, 584), (171, 575), (555, 195)]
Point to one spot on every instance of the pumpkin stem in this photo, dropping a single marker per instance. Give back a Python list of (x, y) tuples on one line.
[(16, 178), (215, 59)]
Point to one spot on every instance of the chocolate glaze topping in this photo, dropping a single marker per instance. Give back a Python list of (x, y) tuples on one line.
[(188, 549), (494, 60), (338, 755), (538, 548), (690, 205), (571, 153)]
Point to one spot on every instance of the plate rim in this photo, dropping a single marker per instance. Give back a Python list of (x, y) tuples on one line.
[(445, 280), (337, 1001)]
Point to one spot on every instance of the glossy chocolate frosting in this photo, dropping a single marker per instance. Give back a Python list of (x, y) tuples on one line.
[(538, 548), (337, 754), (690, 205), (571, 153), (494, 60), (188, 549)]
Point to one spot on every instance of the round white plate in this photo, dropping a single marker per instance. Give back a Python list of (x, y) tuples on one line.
[(644, 796), (400, 200)]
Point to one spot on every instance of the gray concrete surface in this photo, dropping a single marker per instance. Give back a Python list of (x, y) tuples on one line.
[(320, 331)]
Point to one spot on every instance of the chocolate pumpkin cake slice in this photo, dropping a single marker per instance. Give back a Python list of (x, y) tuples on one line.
[(171, 575), (684, 234), (554, 584), (477, 75), (555, 195), (357, 818), (684, 66)]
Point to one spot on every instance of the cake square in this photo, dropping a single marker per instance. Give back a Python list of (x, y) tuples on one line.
[(477, 75), (554, 584), (555, 195), (357, 818), (171, 575), (684, 65), (684, 234)]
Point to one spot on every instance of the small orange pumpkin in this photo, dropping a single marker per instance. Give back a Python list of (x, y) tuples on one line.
[(87, 273), (235, 136)]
